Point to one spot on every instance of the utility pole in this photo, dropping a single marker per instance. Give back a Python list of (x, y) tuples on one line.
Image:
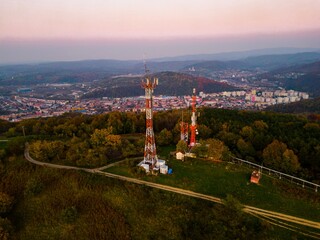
[(24, 134)]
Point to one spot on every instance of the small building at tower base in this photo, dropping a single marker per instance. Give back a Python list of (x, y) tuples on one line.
[(159, 167)]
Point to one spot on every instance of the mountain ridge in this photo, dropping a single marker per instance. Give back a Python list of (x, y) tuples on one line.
[(237, 55), (170, 83), (304, 77)]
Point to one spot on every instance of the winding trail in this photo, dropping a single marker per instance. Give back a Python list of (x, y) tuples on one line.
[(283, 220)]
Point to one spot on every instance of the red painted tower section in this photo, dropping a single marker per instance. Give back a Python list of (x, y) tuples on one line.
[(150, 152), (193, 126)]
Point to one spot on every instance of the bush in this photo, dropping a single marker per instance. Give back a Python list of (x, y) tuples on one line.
[(5, 202), (33, 187), (6, 229), (70, 214)]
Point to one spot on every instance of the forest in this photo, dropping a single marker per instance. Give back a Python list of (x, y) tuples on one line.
[(284, 142), (80, 205)]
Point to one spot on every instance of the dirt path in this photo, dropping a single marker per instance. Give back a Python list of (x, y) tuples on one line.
[(275, 218)]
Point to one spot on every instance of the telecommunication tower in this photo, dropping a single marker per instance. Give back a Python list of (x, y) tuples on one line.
[(150, 152), (193, 126), (184, 130)]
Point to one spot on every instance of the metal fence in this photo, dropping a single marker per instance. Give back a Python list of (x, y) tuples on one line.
[(268, 171)]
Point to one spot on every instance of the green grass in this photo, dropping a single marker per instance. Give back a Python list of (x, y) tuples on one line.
[(164, 151), (108, 207), (220, 179)]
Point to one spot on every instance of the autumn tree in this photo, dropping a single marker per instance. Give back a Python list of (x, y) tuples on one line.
[(277, 155), (204, 131), (104, 137), (247, 132), (176, 132), (6, 229), (5, 203), (245, 148), (260, 125), (65, 130), (182, 146), (47, 150), (164, 137), (115, 122), (77, 151), (229, 138), (105, 145), (130, 123), (99, 121), (216, 149), (201, 149)]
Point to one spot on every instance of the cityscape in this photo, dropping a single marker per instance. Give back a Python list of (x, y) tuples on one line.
[(25, 107)]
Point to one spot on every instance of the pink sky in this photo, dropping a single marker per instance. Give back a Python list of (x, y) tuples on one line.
[(43, 30), (46, 19)]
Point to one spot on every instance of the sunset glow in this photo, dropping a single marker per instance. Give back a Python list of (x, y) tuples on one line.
[(158, 20), (140, 19)]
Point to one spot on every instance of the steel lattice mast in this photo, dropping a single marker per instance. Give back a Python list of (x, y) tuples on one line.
[(184, 130), (193, 126), (150, 151)]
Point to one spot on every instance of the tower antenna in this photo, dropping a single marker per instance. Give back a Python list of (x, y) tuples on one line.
[(193, 126), (150, 151), (183, 129)]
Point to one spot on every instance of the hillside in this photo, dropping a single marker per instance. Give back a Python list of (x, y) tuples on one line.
[(305, 77), (90, 70), (271, 62), (62, 72), (264, 62), (58, 204), (217, 65), (236, 55), (310, 68), (170, 83), (38, 202), (304, 106)]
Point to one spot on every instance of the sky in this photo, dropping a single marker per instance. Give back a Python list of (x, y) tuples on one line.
[(46, 30)]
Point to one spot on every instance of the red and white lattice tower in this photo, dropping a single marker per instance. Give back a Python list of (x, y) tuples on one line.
[(193, 126), (150, 151), (184, 130)]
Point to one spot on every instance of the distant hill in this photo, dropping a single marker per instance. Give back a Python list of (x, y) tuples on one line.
[(271, 62), (90, 70), (264, 62), (80, 71), (310, 68), (304, 77), (217, 65), (170, 83), (63, 72), (236, 55), (305, 106)]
